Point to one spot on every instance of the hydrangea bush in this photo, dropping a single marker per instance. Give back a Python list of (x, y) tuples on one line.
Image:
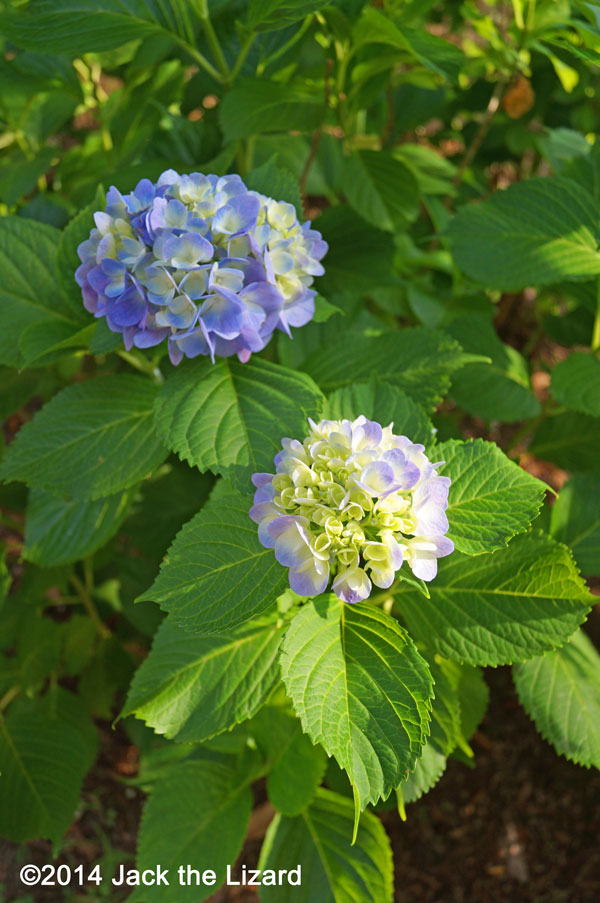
[(289, 558), (201, 263)]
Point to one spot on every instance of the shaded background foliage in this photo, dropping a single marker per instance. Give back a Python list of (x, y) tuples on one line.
[(383, 123)]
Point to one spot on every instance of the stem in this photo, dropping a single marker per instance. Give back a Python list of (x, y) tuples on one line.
[(9, 696), (86, 600), (596, 330), (284, 49), (200, 59), (140, 363), (484, 126), (213, 41), (244, 50), (314, 146)]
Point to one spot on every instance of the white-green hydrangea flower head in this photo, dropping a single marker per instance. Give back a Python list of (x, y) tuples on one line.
[(352, 502)]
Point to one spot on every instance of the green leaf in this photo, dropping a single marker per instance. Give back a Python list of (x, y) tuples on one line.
[(296, 765), (298, 771), (271, 15), (231, 417), (217, 575), (434, 173), (474, 696), (491, 498), (383, 403), (429, 768), (44, 343), (15, 390), (59, 531), (257, 106), (44, 755), (197, 813), (28, 280), (275, 182), (434, 53), (534, 233), (381, 189), (73, 27), (92, 439), (570, 440), (418, 361), (74, 233), (576, 383), (104, 341), (503, 387), (576, 520), (192, 687), (356, 251), (561, 693), (333, 869), (19, 175), (361, 689), (499, 608), (445, 713)]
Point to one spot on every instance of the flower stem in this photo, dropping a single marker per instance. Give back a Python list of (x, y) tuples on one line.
[(245, 49), (595, 344), (213, 40), (86, 600)]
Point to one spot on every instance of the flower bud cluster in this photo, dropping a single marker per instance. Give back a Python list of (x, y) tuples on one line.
[(199, 261), (353, 501)]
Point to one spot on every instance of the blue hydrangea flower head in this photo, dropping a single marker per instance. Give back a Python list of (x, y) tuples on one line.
[(352, 502), (200, 262)]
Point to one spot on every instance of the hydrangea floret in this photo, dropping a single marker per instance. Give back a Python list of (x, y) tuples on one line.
[(201, 262), (353, 501)]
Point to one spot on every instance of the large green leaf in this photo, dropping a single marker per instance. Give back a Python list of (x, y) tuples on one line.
[(16, 389), (503, 387), (570, 440), (561, 692), (576, 383), (534, 233), (259, 105), (73, 27), (418, 361), (197, 814), (445, 713), (500, 608), (428, 770), (361, 689), (576, 520), (192, 687), (231, 417), (333, 869), (381, 189), (67, 259), (58, 530), (384, 403), (28, 282), (434, 53), (271, 15), (491, 498), (275, 181), (217, 575), (92, 439), (296, 765), (356, 252), (46, 747), (46, 342)]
